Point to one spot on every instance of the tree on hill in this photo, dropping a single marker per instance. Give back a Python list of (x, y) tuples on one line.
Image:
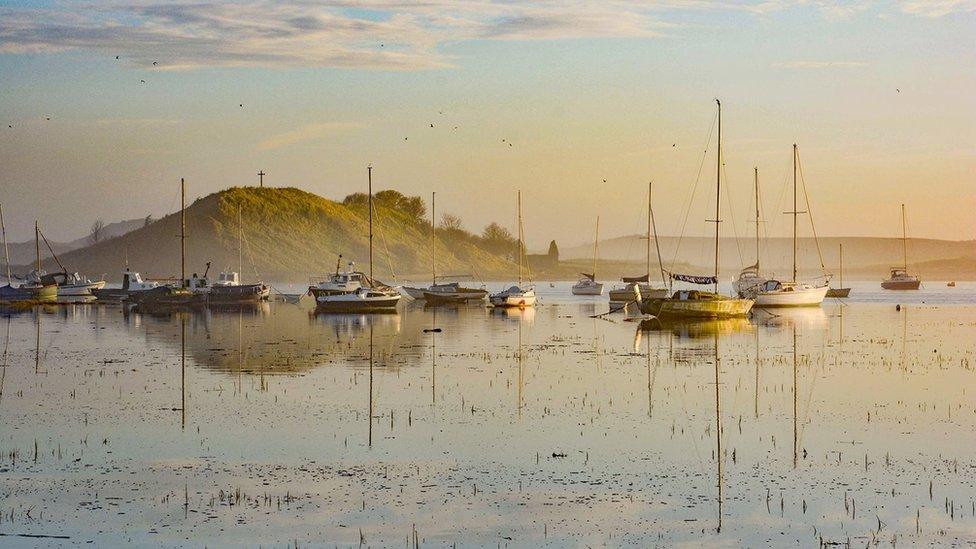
[(413, 206), (497, 239)]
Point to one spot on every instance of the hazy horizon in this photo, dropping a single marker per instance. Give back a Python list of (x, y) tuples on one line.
[(551, 98)]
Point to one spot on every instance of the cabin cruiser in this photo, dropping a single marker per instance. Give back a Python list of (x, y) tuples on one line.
[(899, 279), (69, 284), (353, 291), (514, 296), (131, 282)]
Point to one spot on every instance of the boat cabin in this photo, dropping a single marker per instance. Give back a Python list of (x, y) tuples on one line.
[(228, 279)]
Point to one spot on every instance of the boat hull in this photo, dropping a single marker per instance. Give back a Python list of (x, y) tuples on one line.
[(513, 299), (80, 289), (245, 293), (712, 308), (359, 305), (34, 294), (801, 297), (589, 289), (901, 284), (838, 292)]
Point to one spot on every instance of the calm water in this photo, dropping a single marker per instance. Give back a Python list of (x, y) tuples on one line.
[(274, 426)]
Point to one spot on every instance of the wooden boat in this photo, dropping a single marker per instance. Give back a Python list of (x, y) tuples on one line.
[(587, 284), (899, 279), (694, 303), (842, 291), (167, 297), (789, 293), (639, 287), (516, 296), (353, 292)]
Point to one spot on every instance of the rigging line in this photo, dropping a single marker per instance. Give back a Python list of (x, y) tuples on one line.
[(779, 202), (691, 196), (806, 197), (54, 255), (379, 229), (728, 200)]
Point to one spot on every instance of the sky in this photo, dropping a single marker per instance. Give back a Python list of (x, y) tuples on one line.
[(104, 106)]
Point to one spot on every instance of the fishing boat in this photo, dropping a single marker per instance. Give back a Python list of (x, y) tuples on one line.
[(842, 291), (69, 284), (899, 279), (227, 289), (789, 293), (695, 303), (30, 291), (131, 282), (355, 292), (450, 292), (639, 287), (165, 297), (587, 284), (517, 295)]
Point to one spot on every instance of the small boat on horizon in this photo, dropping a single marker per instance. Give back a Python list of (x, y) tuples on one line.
[(899, 279), (842, 291)]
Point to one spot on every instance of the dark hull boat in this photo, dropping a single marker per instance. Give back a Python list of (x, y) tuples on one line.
[(165, 297), (244, 293), (41, 294), (838, 292), (901, 284)]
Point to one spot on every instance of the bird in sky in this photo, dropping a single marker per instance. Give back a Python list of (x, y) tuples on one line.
[(604, 180), (143, 81), (431, 125), (116, 57), (897, 90), (674, 144), (242, 105), (155, 63)]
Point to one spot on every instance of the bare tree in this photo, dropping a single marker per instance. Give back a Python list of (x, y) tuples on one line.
[(149, 219), (97, 231), (450, 222)]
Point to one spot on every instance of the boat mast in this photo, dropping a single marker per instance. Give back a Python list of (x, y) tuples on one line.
[(369, 182), (794, 212), (433, 270), (841, 265), (648, 260), (596, 246), (519, 208), (37, 247), (657, 243), (718, 187), (182, 233), (240, 242), (756, 179), (904, 236), (6, 252)]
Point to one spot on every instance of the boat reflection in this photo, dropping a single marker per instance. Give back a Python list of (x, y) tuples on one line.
[(691, 328), (526, 315), (799, 317)]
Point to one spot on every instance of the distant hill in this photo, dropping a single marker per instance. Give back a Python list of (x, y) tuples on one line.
[(24, 252), (864, 257), (290, 235)]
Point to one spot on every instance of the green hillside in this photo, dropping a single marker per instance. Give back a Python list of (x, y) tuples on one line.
[(290, 235)]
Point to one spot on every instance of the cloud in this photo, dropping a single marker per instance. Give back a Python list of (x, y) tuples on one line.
[(938, 8), (308, 132), (807, 64)]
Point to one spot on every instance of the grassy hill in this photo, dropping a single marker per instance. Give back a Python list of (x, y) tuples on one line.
[(290, 235)]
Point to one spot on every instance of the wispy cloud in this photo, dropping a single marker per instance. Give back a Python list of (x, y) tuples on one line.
[(938, 8), (306, 133), (809, 64)]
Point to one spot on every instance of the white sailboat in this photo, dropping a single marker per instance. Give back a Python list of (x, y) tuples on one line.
[(354, 292), (791, 293), (587, 284), (900, 279), (516, 296), (639, 288)]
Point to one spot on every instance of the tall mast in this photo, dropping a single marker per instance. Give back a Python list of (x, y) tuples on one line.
[(842, 265), (37, 247), (369, 180), (904, 236), (756, 177), (648, 266), (657, 243), (240, 242), (718, 187), (519, 208), (596, 247), (794, 212), (182, 233), (433, 218), (6, 252)]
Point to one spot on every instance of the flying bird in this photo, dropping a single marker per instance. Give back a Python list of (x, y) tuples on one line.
[(405, 138), (604, 180), (143, 81), (155, 63), (116, 57), (897, 90), (674, 144), (242, 105), (47, 117), (431, 125)]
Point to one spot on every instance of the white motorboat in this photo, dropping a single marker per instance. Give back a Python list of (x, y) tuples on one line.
[(131, 282), (69, 284), (516, 296)]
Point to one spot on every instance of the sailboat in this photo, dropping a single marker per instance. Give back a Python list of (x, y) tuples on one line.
[(899, 279), (750, 278), (352, 291), (791, 293), (516, 296), (171, 296), (29, 291), (450, 292), (69, 284), (842, 291), (587, 284), (695, 303), (228, 288), (639, 287)]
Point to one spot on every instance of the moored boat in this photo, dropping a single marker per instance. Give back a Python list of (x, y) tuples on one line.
[(587, 284), (131, 282), (517, 295), (899, 279), (841, 291)]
